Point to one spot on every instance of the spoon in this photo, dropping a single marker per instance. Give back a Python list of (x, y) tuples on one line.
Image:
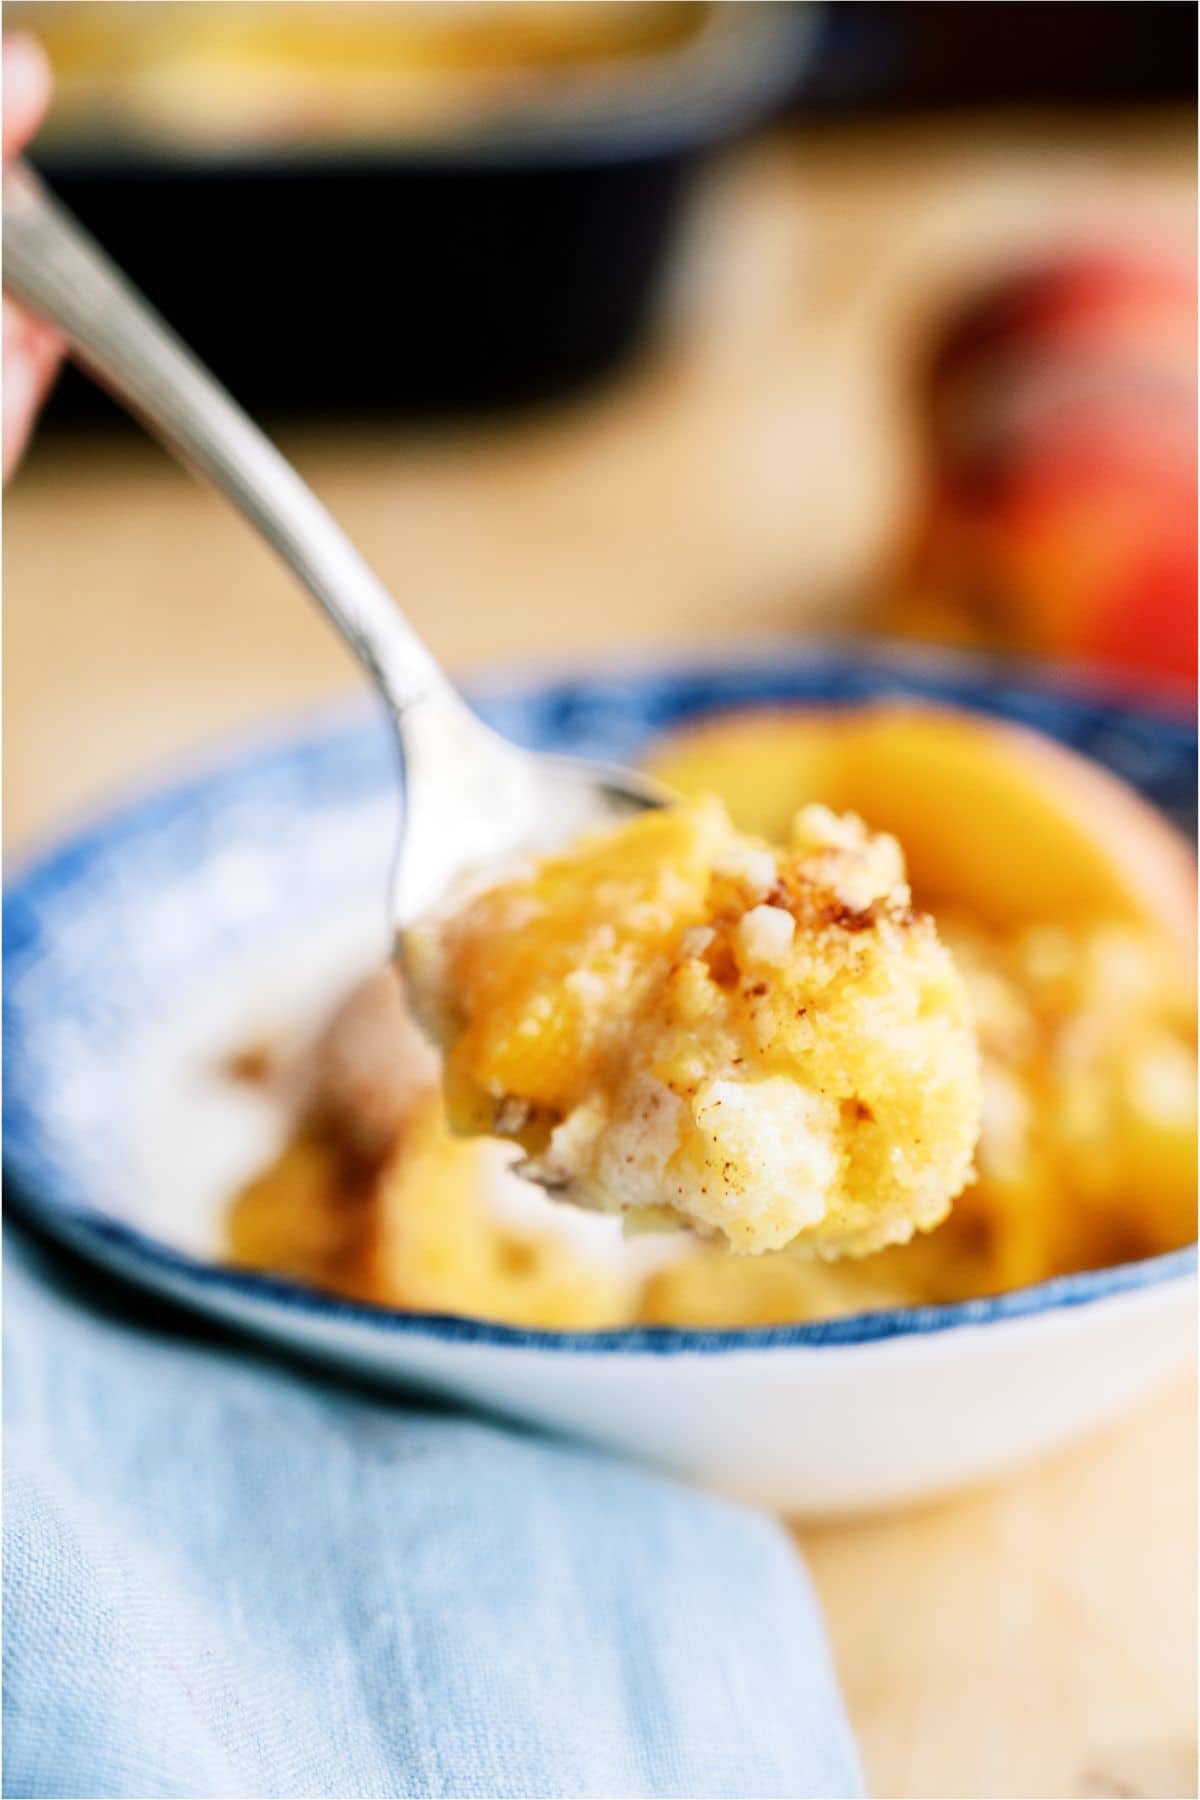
[(472, 798)]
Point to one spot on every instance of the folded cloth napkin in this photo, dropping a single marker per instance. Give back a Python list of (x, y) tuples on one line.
[(224, 1576)]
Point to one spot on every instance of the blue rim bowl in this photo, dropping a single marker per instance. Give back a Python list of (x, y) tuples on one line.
[(98, 933)]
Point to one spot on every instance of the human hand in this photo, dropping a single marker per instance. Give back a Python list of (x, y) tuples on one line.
[(32, 349)]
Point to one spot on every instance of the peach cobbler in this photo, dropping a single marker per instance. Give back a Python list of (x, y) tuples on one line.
[(683, 1024), (836, 1110)]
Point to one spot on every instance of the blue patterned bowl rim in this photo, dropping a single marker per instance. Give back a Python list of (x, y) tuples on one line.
[(610, 712)]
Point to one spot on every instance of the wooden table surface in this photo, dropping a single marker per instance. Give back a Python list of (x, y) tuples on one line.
[(744, 477)]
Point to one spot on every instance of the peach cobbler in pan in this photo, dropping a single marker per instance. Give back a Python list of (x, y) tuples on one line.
[(739, 1016)]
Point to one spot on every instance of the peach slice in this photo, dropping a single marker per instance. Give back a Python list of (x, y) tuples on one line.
[(994, 818)]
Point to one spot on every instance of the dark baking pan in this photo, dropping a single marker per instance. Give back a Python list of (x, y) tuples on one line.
[(497, 268)]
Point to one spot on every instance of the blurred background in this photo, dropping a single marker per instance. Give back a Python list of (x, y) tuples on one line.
[(615, 324)]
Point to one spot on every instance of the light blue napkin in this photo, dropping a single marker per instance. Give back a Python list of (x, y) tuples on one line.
[(227, 1577)]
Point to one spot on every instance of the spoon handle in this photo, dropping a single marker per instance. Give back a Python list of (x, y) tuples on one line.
[(52, 266)]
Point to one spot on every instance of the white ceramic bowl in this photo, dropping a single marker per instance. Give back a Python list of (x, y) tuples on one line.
[(243, 899)]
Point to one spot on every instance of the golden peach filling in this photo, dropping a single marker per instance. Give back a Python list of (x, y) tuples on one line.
[(688, 1026), (1087, 1156), (1064, 901)]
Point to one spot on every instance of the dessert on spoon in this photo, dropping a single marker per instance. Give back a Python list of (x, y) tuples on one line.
[(686, 1025)]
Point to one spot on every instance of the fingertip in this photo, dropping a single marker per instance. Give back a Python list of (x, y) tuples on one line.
[(32, 353), (27, 81), (20, 404)]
